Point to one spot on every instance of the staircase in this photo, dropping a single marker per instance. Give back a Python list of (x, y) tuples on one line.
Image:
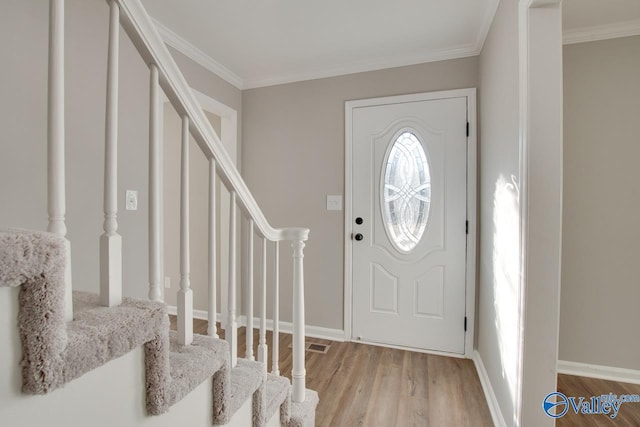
[(75, 348)]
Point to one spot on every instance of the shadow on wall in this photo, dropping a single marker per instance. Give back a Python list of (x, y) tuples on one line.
[(506, 273)]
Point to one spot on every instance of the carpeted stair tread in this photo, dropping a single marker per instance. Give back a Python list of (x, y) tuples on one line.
[(99, 334), (303, 414), (193, 364), (35, 262), (245, 379), (56, 352), (277, 398)]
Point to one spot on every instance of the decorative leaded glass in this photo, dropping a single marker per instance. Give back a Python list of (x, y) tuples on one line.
[(406, 192)]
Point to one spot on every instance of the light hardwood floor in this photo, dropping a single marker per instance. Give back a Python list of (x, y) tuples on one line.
[(629, 415), (364, 385)]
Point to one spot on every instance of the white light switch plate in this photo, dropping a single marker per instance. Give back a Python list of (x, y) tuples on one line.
[(334, 203), (131, 200), (167, 282)]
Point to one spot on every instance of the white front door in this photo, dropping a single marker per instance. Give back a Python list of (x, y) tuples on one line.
[(409, 196)]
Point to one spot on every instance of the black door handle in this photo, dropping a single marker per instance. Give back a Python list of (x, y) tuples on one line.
[(358, 237)]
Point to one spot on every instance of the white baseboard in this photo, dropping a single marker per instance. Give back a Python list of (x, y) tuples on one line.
[(285, 327), (490, 395), (598, 371)]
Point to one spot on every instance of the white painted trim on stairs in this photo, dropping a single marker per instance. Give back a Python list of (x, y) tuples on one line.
[(610, 373), (601, 32), (285, 327), (492, 401)]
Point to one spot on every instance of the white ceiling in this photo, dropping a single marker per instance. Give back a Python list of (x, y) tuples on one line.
[(259, 43)]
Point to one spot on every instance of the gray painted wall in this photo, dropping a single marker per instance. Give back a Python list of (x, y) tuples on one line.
[(23, 90), (293, 157), (499, 259), (599, 312)]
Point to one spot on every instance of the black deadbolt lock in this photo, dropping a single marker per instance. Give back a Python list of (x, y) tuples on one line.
[(359, 221)]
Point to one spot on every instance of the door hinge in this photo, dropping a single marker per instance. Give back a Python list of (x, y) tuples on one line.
[(467, 129), (465, 323), (466, 227)]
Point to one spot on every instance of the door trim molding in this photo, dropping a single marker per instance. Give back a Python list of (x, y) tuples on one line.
[(470, 286), (540, 207)]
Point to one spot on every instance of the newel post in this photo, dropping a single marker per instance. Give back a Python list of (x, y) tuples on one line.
[(298, 236)]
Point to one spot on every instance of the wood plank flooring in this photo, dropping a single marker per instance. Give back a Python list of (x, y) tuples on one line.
[(629, 414), (364, 385)]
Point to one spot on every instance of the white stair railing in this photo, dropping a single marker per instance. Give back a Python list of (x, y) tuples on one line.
[(275, 349), (166, 76), (56, 196), (298, 372), (262, 345), (156, 270), (185, 295), (212, 328), (231, 332), (249, 296), (111, 241), (149, 44)]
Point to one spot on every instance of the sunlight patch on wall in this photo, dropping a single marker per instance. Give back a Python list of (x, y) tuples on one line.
[(506, 273)]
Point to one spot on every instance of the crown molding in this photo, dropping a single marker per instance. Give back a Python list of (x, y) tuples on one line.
[(601, 32), (192, 52), (462, 51), (485, 26), (455, 52)]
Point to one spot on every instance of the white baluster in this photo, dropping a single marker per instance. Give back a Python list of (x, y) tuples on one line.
[(56, 196), (231, 332), (298, 373), (275, 368), (111, 241), (212, 329), (249, 299), (185, 295), (262, 346), (156, 261)]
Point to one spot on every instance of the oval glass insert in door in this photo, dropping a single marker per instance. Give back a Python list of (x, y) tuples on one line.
[(406, 191)]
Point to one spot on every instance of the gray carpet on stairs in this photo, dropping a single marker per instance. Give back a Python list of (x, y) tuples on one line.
[(36, 261), (100, 334), (246, 378), (303, 414), (273, 397), (56, 352), (193, 364)]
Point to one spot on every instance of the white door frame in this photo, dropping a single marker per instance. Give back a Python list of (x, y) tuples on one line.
[(541, 117), (470, 302)]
